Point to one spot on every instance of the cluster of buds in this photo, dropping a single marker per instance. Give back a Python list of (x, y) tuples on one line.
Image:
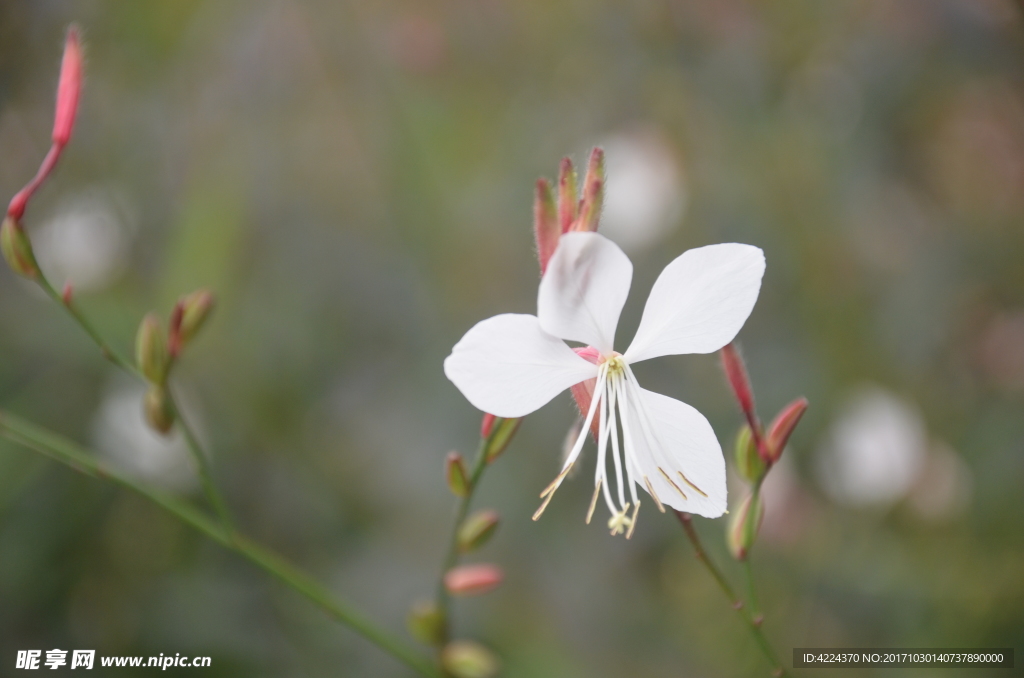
[(16, 247), (756, 451), (157, 351), (573, 212)]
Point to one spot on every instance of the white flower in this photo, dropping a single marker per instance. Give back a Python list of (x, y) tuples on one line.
[(511, 365)]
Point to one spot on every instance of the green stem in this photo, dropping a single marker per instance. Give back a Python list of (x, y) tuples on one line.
[(452, 556), (202, 465), (83, 322), (69, 453), (778, 670)]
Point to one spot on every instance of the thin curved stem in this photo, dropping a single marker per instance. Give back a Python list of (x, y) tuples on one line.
[(69, 453), (778, 670), (202, 465)]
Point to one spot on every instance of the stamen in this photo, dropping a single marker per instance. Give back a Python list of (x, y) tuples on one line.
[(547, 500), (619, 521), (593, 500), (688, 482), (632, 521), (550, 489), (650, 490), (669, 479)]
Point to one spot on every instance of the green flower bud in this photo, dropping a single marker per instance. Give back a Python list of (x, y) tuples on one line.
[(157, 406), (466, 659), (477, 529), (455, 474), (195, 308), (501, 433), (17, 249), (748, 462), (744, 525), (151, 353), (426, 623)]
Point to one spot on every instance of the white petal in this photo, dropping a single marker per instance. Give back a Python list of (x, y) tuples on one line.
[(699, 302), (671, 440), (508, 366), (584, 289)]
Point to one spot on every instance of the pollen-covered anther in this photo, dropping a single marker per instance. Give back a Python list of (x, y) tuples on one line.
[(690, 483), (650, 490), (671, 482)]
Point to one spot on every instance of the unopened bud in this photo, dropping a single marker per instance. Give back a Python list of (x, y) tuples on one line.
[(546, 230), (485, 425), (455, 474), (426, 623), (68, 89), (472, 580), (782, 427), (593, 193), (157, 407), (151, 350), (195, 308), (67, 294), (477, 529), (466, 659), (567, 195), (744, 525), (17, 249), (736, 373), (501, 435), (748, 462)]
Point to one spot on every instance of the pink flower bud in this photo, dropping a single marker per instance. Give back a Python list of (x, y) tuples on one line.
[(782, 427), (471, 580), (68, 89), (567, 205), (486, 424), (545, 223), (736, 373)]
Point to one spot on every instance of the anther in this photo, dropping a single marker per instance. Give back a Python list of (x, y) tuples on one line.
[(547, 500), (690, 483), (556, 482), (672, 482), (650, 490), (593, 500)]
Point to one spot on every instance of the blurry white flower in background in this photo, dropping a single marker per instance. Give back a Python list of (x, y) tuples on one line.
[(86, 242), (875, 450), (645, 189), (125, 440)]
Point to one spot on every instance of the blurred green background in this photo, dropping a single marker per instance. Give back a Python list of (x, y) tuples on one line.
[(354, 180)]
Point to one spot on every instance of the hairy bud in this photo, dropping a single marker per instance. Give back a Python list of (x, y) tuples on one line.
[(593, 193), (546, 229), (567, 193), (782, 427), (68, 89), (477, 529), (466, 659), (501, 434)]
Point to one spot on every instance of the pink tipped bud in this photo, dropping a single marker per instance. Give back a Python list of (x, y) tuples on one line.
[(736, 373), (17, 249), (545, 223), (68, 89), (466, 659), (486, 424), (593, 193), (502, 432), (455, 474), (782, 427), (472, 580), (67, 294), (567, 193)]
